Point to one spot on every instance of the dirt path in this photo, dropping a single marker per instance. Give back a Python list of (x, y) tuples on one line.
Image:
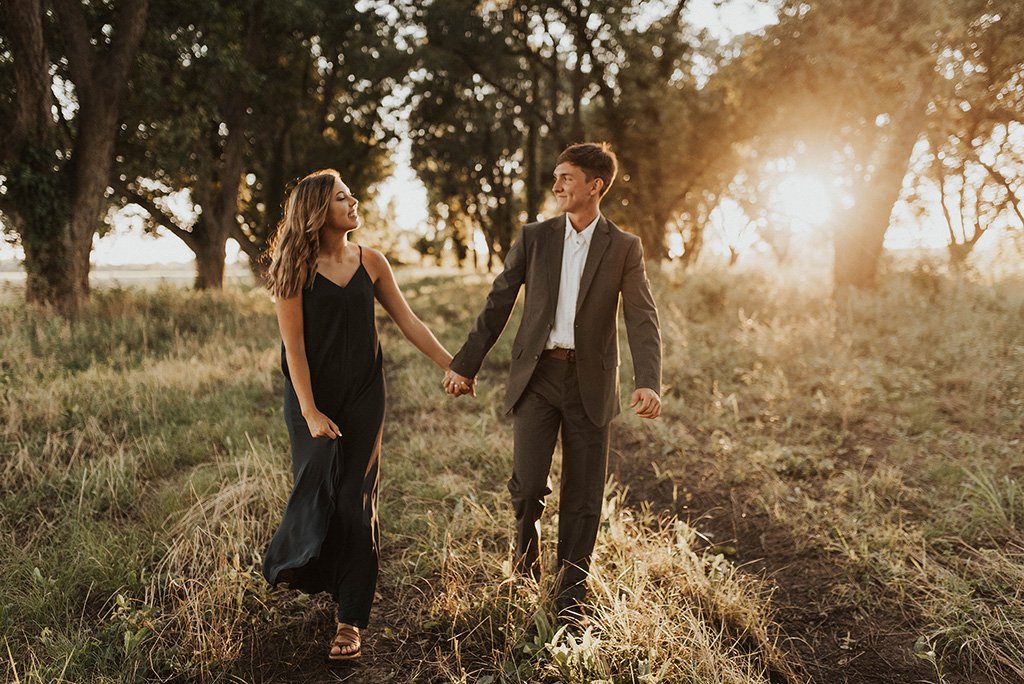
[(835, 640), (397, 649)]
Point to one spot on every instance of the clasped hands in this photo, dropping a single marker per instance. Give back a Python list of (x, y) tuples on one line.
[(457, 385)]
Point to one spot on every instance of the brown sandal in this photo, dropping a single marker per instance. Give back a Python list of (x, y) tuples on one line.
[(346, 636)]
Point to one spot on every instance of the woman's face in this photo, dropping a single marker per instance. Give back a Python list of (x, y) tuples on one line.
[(343, 211)]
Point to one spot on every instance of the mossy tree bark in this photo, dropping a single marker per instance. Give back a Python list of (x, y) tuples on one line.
[(58, 169)]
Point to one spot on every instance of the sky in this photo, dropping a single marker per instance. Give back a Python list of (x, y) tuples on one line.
[(126, 242)]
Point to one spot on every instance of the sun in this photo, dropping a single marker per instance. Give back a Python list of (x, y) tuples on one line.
[(804, 198)]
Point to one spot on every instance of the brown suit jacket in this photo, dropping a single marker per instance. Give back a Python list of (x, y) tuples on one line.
[(614, 267)]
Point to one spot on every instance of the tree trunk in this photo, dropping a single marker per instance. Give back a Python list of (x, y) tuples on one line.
[(57, 206), (692, 247), (91, 166), (459, 246), (259, 262), (57, 271), (576, 79), (218, 221), (210, 258), (958, 253), (861, 236), (533, 176), (650, 215), (31, 71), (219, 198)]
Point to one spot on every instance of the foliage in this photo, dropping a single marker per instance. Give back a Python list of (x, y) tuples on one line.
[(843, 113), (230, 102), (476, 138), (972, 168), (501, 89), (674, 129), (326, 106), (228, 118)]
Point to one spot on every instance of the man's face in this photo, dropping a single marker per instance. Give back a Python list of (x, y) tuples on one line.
[(573, 191)]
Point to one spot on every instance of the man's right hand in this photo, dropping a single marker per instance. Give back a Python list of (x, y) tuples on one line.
[(457, 385)]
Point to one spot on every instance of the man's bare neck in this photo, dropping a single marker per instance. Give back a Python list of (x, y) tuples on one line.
[(579, 221)]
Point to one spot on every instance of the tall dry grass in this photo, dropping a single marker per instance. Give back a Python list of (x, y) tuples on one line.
[(884, 431), (144, 465)]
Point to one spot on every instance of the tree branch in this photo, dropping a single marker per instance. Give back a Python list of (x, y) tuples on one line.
[(940, 177), (9, 209), (578, 20), (129, 25), (65, 127), (1012, 198), (159, 216), (678, 48), (963, 203), (245, 242), (81, 60), (522, 102)]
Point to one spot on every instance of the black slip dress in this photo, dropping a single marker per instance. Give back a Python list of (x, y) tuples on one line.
[(328, 537)]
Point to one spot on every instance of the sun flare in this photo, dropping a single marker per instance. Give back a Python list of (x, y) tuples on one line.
[(805, 199)]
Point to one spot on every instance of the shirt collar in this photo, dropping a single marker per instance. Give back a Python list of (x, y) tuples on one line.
[(586, 234)]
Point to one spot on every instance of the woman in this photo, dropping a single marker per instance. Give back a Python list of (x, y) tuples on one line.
[(334, 397)]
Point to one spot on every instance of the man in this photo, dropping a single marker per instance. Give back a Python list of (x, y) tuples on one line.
[(565, 359)]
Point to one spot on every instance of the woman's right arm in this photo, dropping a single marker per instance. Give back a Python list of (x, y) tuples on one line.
[(289, 320)]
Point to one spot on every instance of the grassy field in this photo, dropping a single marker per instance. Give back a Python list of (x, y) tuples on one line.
[(833, 494)]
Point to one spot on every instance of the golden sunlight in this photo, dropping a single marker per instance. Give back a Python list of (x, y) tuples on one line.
[(804, 198)]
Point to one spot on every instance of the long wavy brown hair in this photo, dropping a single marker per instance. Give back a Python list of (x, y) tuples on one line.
[(296, 244)]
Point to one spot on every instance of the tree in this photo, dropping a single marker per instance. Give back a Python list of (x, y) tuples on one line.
[(670, 129), (973, 166), (189, 123), (544, 74), (476, 121), (469, 165), (974, 189), (233, 116), (325, 106), (857, 116), (818, 90), (58, 155)]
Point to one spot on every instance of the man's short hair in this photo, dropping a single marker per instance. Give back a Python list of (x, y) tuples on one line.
[(596, 159)]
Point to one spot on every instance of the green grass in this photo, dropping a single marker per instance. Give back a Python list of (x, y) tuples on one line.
[(144, 464)]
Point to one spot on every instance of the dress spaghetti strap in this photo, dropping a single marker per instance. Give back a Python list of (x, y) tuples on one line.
[(360, 254)]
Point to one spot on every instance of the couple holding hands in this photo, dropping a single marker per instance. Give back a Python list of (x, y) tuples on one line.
[(564, 377)]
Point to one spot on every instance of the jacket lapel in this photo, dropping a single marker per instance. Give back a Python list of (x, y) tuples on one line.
[(556, 243), (598, 245)]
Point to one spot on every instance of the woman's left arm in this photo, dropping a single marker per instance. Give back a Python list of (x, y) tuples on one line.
[(390, 297)]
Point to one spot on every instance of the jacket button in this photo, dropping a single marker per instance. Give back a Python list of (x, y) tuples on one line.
[(536, 356)]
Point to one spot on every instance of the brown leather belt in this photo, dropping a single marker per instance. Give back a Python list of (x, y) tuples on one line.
[(561, 354)]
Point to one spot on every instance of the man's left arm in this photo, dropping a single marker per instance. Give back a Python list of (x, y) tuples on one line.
[(644, 333)]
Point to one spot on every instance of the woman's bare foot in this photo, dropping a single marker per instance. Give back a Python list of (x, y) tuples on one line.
[(346, 644)]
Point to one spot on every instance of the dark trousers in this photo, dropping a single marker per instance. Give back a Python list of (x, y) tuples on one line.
[(552, 403)]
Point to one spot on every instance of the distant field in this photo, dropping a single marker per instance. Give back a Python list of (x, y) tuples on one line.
[(135, 276), (12, 279), (833, 494)]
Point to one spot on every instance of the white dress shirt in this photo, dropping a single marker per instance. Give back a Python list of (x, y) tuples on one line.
[(574, 256)]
